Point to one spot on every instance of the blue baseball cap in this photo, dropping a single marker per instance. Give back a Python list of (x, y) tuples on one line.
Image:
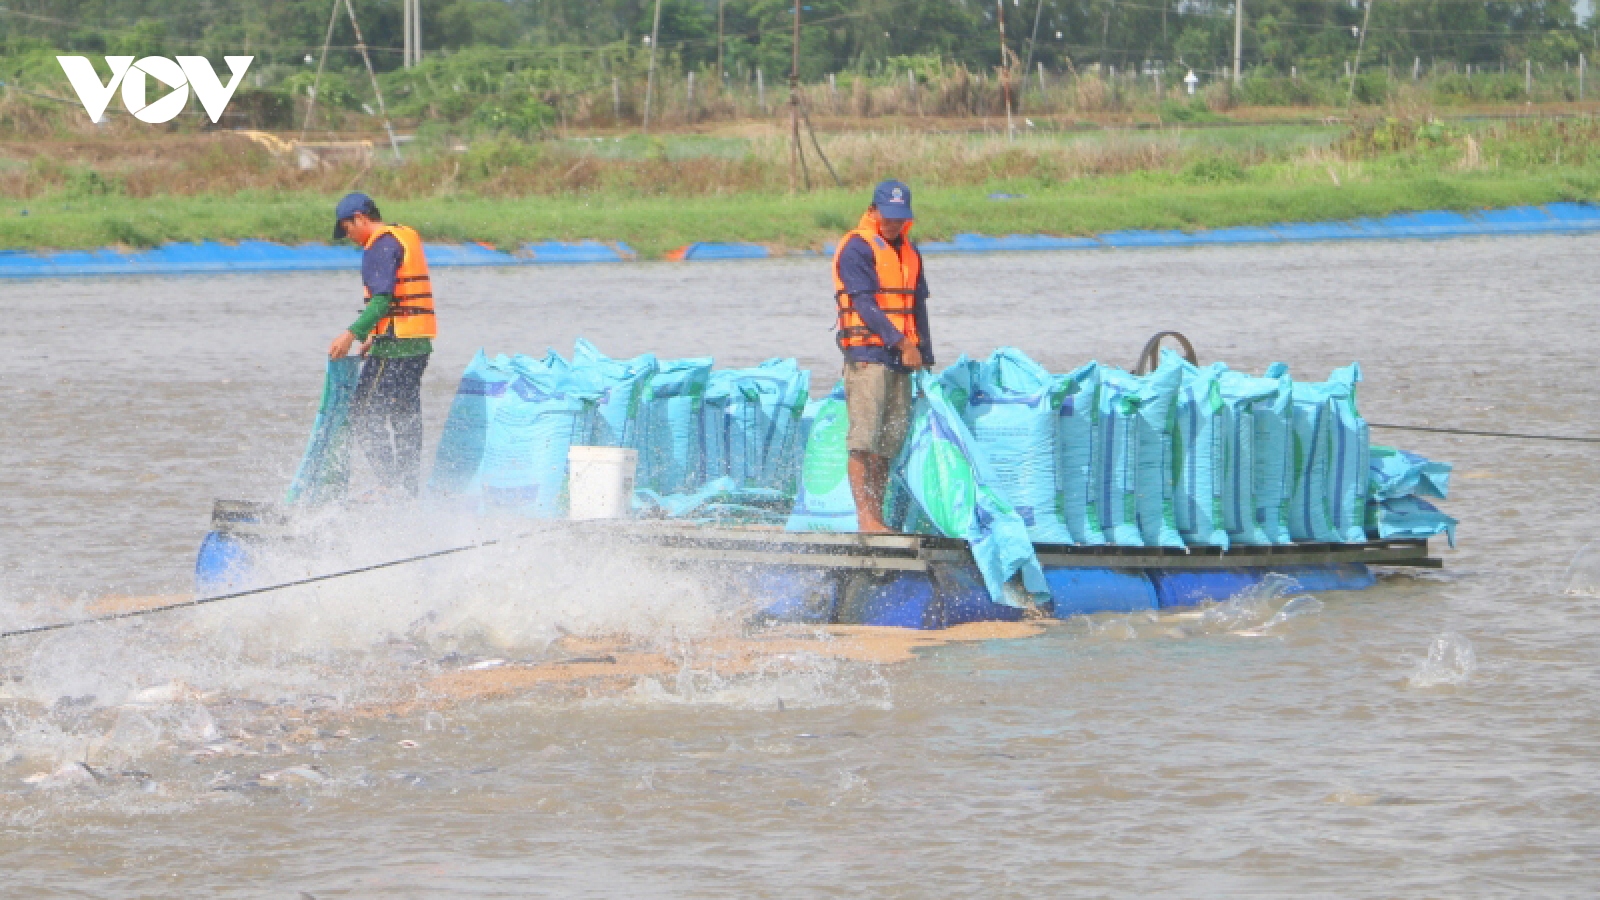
[(349, 206), (893, 200)]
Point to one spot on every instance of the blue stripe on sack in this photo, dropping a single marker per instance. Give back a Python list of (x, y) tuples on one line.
[(1238, 464), (1338, 480), (1311, 466), (1189, 466), (1107, 477), (474, 387), (979, 397)]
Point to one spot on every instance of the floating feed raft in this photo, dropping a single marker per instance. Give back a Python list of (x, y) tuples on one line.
[(1018, 492), (905, 580)]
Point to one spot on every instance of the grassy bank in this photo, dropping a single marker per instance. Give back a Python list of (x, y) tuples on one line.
[(653, 226), (656, 195)]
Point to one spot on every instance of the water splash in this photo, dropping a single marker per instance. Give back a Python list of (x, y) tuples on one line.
[(1583, 574), (1451, 660), (1294, 608), (1250, 606), (1253, 612), (242, 677)]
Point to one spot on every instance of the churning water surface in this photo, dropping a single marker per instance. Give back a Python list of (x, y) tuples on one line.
[(1434, 736)]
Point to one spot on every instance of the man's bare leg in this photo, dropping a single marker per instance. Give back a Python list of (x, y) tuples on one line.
[(869, 477)]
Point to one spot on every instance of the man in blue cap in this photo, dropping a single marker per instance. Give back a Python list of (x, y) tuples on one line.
[(882, 299), (396, 329)]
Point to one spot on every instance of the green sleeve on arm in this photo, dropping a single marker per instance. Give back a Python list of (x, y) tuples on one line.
[(377, 308)]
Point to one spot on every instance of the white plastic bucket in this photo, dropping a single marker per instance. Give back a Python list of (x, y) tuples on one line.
[(600, 482)]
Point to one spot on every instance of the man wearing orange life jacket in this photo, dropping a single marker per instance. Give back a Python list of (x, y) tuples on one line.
[(396, 330), (882, 299)]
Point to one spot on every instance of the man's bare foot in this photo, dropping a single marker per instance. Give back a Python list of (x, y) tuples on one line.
[(874, 528)]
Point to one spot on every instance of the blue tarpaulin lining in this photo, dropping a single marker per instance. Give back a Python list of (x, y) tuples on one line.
[(266, 256), (711, 250)]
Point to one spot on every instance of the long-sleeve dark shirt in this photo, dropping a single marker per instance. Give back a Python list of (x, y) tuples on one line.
[(859, 272), (380, 265)]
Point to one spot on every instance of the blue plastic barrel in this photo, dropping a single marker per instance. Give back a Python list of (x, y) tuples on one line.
[(1077, 592), (222, 565), (1341, 577), (1188, 588), (792, 594)]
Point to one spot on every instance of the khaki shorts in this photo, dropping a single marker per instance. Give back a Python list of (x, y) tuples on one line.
[(879, 402)]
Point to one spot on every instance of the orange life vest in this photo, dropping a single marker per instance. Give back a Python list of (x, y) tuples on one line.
[(897, 285), (411, 313)]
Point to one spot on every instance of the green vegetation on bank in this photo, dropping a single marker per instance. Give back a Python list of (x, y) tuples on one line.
[(657, 194), (652, 226), (531, 68)]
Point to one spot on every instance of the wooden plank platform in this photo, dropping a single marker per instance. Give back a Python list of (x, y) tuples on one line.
[(915, 552), (769, 546)]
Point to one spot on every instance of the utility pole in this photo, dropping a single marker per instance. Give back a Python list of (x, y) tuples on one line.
[(650, 78), (719, 42), (1355, 71), (316, 83), (405, 28), (1005, 68), (1038, 13), (797, 158), (361, 44), (416, 31), (1238, 42)]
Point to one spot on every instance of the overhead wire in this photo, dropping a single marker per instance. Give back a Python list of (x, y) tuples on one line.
[(1495, 434), (1492, 36), (266, 589)]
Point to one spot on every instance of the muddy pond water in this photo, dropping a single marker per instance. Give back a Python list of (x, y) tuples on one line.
[(320, 743)]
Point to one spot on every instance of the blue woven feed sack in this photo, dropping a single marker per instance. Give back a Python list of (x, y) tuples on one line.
[(717, 500), (901, 510), (949, 478), (1352, 442), (1395, 473), (1078, 475), (538, 418), (823, 501), (958, 381), (1206, 450), (749, 422), (779, 432), (1273, 486), (1012, 415), (787, 458), (621, 385), (459, 461), (1312, 427), (715, 425), (669, 426), (1409, 517), (324, 472), (1255, 509), (1139, 416), (552, 361), (1117, 458)]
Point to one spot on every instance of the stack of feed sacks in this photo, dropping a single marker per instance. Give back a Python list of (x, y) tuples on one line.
[(1185, 456), (516, 416), (506, 438), (1397, 483), (750, 424)]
